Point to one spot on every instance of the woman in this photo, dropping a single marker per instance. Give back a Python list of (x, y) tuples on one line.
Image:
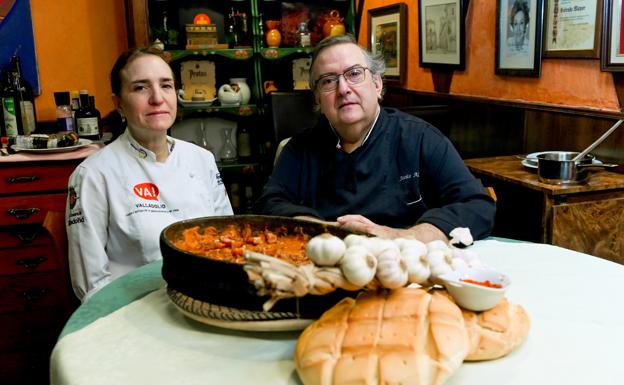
[(121, 197)]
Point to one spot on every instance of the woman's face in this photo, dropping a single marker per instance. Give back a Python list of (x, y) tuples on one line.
[(147, 98), (350, 108)]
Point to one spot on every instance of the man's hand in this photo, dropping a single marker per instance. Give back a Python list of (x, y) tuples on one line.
[(424, 232)]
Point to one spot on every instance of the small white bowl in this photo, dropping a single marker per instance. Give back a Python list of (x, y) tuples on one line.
[(473, 296)]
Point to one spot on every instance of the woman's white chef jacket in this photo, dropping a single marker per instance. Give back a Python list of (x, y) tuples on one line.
[(120, 198)]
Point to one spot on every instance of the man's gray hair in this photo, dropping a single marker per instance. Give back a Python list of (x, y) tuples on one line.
[(375, 63)]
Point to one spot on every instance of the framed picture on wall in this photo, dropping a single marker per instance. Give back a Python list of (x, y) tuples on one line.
[(612, 52), (387, 27), (518, 37), (441, 29), (572, 28)]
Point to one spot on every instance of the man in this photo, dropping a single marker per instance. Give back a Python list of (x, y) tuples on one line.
[(371, 169)]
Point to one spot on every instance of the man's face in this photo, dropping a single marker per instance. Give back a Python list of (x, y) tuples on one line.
[(518, 28), (350, 108)]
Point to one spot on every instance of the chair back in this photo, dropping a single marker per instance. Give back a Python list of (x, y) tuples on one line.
[(292, 112)]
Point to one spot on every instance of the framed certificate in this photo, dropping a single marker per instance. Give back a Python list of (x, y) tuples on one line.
[(572, 28)]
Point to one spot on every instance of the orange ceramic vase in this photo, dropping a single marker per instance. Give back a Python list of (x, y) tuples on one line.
[(333, 24), (273, 35)]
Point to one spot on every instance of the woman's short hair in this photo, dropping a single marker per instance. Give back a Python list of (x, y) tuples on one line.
[(375, 63), (126, 58)]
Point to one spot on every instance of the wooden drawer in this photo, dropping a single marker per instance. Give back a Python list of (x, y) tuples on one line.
[(29, 178), (27, 235), (31, 291), (27, 209), (27, 260), (31, 330)]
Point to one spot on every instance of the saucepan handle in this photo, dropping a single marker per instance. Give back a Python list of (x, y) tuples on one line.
[(598, 165)]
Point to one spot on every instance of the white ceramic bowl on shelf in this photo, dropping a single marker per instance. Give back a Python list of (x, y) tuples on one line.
[(470, 288)]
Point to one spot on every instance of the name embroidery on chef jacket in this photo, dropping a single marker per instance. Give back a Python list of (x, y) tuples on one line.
[(148, 191), (404, 179)]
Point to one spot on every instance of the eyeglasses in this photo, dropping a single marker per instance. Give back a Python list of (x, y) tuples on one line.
[(329, 82)]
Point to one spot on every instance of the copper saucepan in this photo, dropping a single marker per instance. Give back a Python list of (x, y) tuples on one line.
[(558, 167)]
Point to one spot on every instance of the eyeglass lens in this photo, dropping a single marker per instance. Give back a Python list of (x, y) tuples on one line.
[(353, 75)]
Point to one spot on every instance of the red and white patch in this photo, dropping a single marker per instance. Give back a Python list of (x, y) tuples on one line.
[(148, 191)]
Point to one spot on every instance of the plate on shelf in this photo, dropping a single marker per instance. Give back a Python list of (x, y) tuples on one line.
[(81, 143), (235, 319), (197, 104)]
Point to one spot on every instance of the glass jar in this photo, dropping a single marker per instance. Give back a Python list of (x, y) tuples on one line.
[(303, 39)]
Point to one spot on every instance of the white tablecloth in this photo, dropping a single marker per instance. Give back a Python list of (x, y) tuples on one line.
[(576, 337)]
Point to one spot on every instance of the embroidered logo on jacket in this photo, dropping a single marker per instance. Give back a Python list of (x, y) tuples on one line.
[(72, 197), (148, 191)]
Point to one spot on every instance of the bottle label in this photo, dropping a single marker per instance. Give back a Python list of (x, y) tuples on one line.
[(28, 117), (88, 126), (65, 124), (10, 120)]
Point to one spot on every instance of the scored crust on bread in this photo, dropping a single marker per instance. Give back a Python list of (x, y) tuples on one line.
[(406, 336), (495, 332)]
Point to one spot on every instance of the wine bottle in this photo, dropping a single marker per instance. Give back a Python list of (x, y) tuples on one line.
[(87, 123), (26, 96), (11, 112)]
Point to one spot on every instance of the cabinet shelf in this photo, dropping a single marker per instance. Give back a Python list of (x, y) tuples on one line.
[(230, 53), (244, 110), (239, 167), (280, 53)]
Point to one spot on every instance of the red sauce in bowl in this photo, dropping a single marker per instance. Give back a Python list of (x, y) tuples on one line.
[(485, 283)]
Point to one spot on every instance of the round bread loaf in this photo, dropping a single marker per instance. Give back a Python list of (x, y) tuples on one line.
[(406, 336), (495, 332)]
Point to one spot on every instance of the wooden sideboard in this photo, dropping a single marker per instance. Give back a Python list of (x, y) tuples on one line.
[(587, 217), (36, 297)]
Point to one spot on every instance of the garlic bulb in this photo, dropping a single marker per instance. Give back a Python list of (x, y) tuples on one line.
[(358, 265), (439, 262), (438, 245), (417, 265), (377, 245), (391, 268), (461, 236), (355, 239), (325, 249), (470, 257), (405, 243)]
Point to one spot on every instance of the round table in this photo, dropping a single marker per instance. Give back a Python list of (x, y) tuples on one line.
[(130, 332)]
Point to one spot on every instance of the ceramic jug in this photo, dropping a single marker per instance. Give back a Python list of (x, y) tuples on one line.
[(333, 24), (228, 96), (243, 89)]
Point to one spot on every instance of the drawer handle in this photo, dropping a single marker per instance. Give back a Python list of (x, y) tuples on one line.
[(32, 295), (25, 237), (22, 213), (31, 263), (22, 179)]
